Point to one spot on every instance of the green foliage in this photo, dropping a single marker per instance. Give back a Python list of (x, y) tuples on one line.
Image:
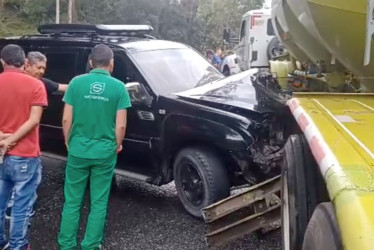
[(178, 22), (98, 11), (217, 15), (12, 24), (39, 11), (14, 3), (199, 23)]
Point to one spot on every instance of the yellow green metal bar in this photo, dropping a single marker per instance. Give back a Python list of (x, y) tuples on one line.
[(346, 124)]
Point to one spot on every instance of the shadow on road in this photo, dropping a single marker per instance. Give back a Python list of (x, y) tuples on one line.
[(140, 216)]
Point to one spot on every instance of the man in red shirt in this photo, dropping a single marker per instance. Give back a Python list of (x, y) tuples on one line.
[(36, 65), (22, 99)]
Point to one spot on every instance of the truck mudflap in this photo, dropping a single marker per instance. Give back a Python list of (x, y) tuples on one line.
[(339, 129), (257, 208)]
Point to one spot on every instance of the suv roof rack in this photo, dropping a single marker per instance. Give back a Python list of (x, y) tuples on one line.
[(96, 30)]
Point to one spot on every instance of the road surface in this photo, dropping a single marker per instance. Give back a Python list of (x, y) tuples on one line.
[(140, 216)]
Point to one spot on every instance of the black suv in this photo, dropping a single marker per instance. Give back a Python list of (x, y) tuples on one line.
[(187, 122)]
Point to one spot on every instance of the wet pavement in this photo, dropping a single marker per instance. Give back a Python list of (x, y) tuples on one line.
[(140, 216)]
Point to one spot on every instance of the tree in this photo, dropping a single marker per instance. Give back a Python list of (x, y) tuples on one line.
[(72, 11), (199, 23), (185, 26), (217, 15), (42, 11), (1, 6), (88, 11)]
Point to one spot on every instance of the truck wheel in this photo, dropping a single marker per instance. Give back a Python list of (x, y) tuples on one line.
[(200, 178), (323, 232), (226, 71), (275, 48), (298, 196)]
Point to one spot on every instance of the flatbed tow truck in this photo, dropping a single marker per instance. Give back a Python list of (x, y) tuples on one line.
[(324, 197)]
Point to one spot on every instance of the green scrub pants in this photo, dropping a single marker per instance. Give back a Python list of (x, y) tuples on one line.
[(78, 172)]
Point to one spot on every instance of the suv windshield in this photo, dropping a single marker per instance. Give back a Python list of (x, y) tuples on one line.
[(175, 70)]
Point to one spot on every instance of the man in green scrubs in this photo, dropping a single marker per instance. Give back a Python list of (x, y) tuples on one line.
[(94, 124)]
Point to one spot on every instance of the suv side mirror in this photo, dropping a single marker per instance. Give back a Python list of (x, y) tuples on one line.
[(138, 94), (133, 87)]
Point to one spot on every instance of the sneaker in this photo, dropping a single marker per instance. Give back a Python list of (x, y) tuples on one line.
[(3, 247), (7, 213)]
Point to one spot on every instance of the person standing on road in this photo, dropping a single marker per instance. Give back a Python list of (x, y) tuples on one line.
[(94, 125), (214, 59), (24, 96), (35, 66)]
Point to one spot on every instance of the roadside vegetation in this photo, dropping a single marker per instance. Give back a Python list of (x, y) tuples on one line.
[(199, 23)]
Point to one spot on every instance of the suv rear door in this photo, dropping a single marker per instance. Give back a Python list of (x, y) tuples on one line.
[(63, 64)]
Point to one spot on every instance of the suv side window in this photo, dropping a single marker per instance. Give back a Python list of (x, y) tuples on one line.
[(270, 29), (123, 69), (126, 71), (243, 30), (62, 66)]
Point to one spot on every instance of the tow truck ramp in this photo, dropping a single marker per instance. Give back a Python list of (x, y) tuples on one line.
[(256, 209)]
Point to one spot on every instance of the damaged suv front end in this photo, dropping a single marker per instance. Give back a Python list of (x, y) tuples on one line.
[(255, 97)]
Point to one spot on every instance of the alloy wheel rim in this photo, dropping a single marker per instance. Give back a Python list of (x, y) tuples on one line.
[(192, 184)]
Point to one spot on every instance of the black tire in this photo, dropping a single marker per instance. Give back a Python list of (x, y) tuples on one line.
[(275, 48), (201, 169), (323, 232), (299, 195), (226, 71)]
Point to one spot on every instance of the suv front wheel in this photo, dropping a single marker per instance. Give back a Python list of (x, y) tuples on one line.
[(200, 178)]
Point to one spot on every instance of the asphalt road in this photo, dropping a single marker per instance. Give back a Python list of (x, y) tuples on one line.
[(140, 216)]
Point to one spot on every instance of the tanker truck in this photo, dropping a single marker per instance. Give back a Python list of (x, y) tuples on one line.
[(326, 184)]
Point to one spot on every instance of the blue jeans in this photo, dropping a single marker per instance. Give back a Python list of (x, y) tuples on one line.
[(11, 200), (22, 175)]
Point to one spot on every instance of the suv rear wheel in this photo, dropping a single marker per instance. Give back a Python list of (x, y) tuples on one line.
[(200, 178)]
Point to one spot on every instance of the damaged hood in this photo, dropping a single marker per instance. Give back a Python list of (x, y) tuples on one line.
[(254, 90)]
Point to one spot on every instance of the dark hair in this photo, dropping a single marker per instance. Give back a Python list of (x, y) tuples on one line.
[(209, 52), (101, 56), (35, 57), (13, 55)]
